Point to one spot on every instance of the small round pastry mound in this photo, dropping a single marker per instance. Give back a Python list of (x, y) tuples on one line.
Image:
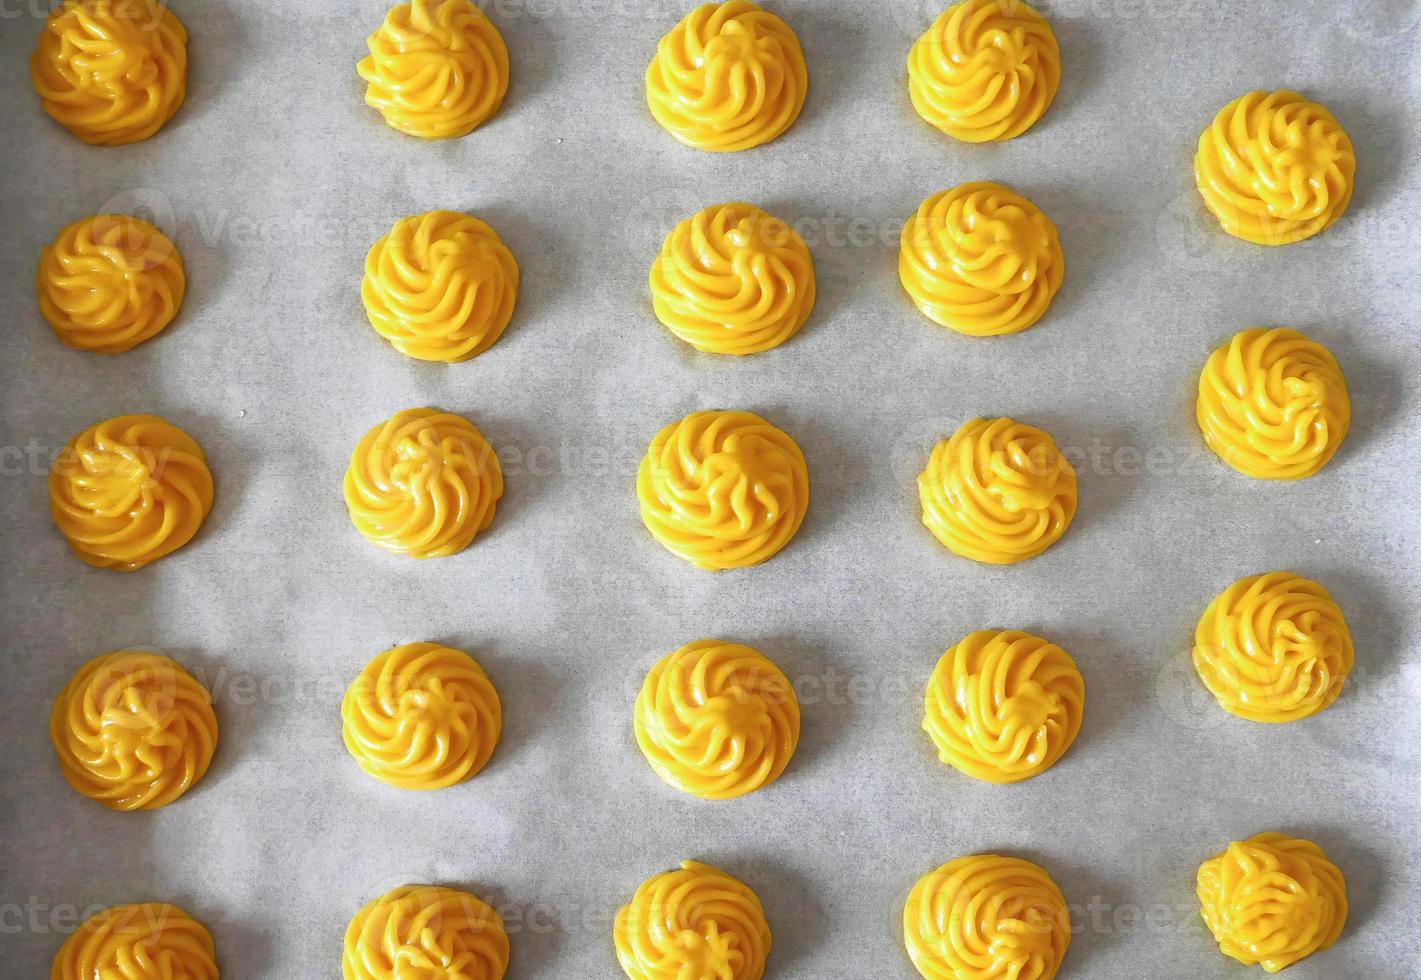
[(421, 716), (728, 77), (425, 932), (1273, 404), (423, 484), (437, 69), (1273, 648), (1275, 168), (440, 286), (733, 280), (723, 489), (985, 70), (111, 71), (717, 720), (695, 923), (133, 730), (109, 282), (986, 917), (1272, 900), (1003, 706), (997, 491), (138, 942), (127, 491), (981, 260)]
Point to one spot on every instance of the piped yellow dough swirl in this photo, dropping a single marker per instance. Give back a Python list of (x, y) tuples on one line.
[(421, 716), (986, 917), (1273, 648), (423, 483), (133, 730), (728, 77), (693, 923), (437, 69), (425, 932), (150, 941), (1272, 900), (717, 720), (997, 491), (109, 282), (1275, 168), (1273, 404), (127, 491), (733, 280), (440, 286), (1003, 706), (111, 71), (723, 489), (985, 70), (981, 260)]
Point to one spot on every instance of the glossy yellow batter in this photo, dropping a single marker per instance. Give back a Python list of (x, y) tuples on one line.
[(425, 932), (693, 923), (728, 77), (440, 286), (1272, 900), (151, 941), (733, 280)]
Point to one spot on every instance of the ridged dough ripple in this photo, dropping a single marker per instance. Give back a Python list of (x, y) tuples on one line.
[(425, 932), (150, 941)]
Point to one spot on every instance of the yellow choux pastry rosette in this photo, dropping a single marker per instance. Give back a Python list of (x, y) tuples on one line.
[(109, 282), (997, 491), (986, 917), (129, 490), (980, 260), (733, 280), (148, 941), (133, 730), (985, 70), (111, 71), (423, 483), (1275, 168), (437, 69), (692, 923), (728, 77), (717, 720), (1003, 705), (1273, 404), (1273, 648), (723, 489), (421, 716), (1272, 900), (440, 286), (425, 931)]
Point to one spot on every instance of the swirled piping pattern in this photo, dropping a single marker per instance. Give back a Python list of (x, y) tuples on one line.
[(421, 716), (997, 491), (728, 77), (425, 932), (1273, 404), (1272, 900), (151, 941), (1273, 648), (109, 282), (981, 260), (986, 917), (985, 70), (723, 489), (423, 484), (129, 490), (717, 720), (437, 69), (111, 71), (1003, 706), (1275, 168), (733, 280), (440, 286), (693, 923)]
